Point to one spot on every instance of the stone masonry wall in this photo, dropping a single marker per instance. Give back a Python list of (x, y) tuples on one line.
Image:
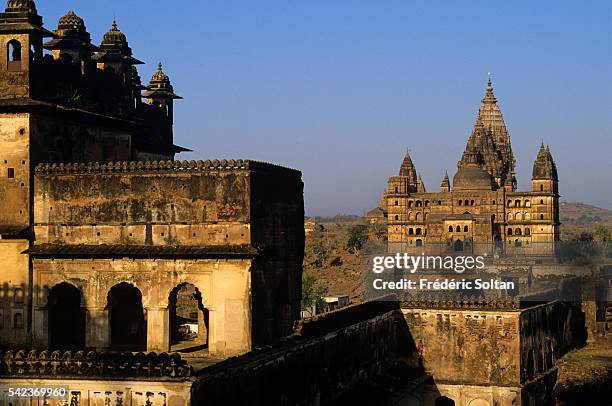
[(323, 361)]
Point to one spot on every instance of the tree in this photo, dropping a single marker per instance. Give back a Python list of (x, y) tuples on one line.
[(312, 295), (357, 235)]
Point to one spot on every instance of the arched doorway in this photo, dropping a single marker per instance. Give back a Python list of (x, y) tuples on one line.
[(66, 318), (458, 246), (128, 326), (188, 319)]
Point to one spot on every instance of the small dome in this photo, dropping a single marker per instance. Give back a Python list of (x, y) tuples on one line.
[(21, 5), (159, 75), (472, 178), (71, 21), (114, 36)]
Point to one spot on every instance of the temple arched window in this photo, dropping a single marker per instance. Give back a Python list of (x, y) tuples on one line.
[(439, 202), (527, 231), (13, 54), (471, 202), (396, 217), (517, 203), (418, 216), (411, 231), (410, 204), (466, 202), (541, 217), (419, 203), (396, 189), (458, 229), (465, 229), (541, 201), (396, 203), (460, 201), (450, 229), (541, 188), (518, 231), (509, 203), (426, 203), (510, 217), (411, 216), (419, 231), (509, 231), (518, 216), (527, 203), (419, 242)]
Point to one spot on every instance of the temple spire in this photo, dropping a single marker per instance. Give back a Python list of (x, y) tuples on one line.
[(445, 186)]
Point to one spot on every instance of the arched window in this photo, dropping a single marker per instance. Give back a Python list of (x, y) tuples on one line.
[(419, 231), (18, 321), (419, 242), (465, 229), (411, 231), (527, 231), (517, 203), (396, 189), (471, 202), (541, 188), (493, 202), (541, 201), (510, 217), (396, 217), (450, 229), (425, 217), (518, 216), (411, 216), (13, 54), (517, 243), (527, 203), (439, 202), (509, 231), (460, 201), (518, 231), (396, 203), (458, 229), (466, 202), (419, 203), (527, 216), (541, 217), (509, 203), (410, 203), (418, 216), (426, 203)]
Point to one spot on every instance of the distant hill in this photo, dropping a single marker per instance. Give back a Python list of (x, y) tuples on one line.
[(582, 214)]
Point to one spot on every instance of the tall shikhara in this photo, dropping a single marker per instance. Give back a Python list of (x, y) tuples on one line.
[(491, 141)]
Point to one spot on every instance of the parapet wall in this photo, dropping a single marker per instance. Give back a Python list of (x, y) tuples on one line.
[(326, 359), (148, 202)]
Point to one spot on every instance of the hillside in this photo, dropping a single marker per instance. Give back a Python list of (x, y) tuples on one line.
[(576, 213)]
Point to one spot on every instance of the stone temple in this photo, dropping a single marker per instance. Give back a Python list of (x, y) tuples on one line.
[(481, 211)]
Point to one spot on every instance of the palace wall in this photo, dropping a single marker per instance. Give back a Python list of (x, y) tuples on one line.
[(326, 361)]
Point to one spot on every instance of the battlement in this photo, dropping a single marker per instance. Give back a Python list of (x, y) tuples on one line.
[(79, 363), (162, 166)]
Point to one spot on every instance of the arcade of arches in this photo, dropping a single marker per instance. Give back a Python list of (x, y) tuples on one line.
[(143, 305)]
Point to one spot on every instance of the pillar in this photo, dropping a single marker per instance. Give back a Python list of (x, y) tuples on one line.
[(97, 328), (158, 329), (40, 328)]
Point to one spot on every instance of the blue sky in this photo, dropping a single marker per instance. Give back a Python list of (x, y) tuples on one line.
[(339, 89)]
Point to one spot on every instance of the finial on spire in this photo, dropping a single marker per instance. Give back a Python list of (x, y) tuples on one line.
[(490, 83), (115, 27)]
